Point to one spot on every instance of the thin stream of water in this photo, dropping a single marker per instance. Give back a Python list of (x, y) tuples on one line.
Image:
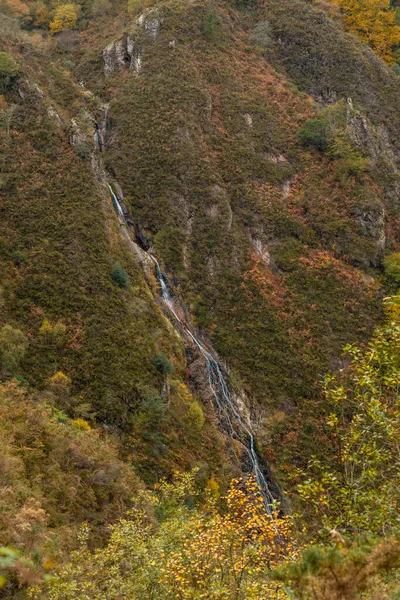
[(230, 418)]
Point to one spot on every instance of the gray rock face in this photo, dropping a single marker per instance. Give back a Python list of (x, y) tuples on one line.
[(122, 54), (366, 136), (373, 223), (77, 136), (150, 21), (125, 53), (115, 57), (261, 248)]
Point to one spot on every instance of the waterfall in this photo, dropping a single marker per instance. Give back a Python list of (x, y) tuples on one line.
[(230, 419), (116, 204), (222, 398)]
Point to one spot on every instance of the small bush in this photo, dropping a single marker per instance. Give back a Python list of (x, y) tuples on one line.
[(81, 424), (19, 258), (392, 266), (120, 276), (396, 69), (354, 164), (68, 64), (315, 133), (195, 417), (13, 345), (54, 332), (163, 364), (8, 70), (83, 150), (212, 26)]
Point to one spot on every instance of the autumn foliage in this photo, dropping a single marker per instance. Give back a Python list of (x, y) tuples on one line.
[(190, 548), (374, 22)]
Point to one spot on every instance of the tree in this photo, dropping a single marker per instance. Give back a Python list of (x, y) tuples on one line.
[(315, 133), (9, 70), (120, 276), (16, 8), (195, 416), (191, 550), (163, 364), (13, 345), (359, 489), (343, 571), (392, 266), (374, 22), (65, 18), (42, 15)]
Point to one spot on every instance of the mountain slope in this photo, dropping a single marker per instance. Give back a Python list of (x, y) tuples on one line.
[(254, 152)]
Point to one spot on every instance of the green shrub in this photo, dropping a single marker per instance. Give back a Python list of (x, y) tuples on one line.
[(195, 416), (163, 364), (392, 266), (120, 276), (315, 133), (83, 150), (68, 64), (354, 164), (212, 26), (8, 70), (19, 258), (13, 345)]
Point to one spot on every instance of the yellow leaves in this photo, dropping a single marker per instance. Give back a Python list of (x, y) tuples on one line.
[(81, 424), (56, 330), (332, 420), (65, 18), (222, 549), (213, 486), (373, 21)]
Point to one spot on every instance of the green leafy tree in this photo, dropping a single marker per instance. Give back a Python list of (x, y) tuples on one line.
[(163, 364), (9, 70), (212, 26), (120, 276), (359, 490), (343, 571), (13, 345), (392, 266), (315, 133)]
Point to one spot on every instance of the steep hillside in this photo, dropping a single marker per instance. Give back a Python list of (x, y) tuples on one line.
[(273, 246), (252, 150)]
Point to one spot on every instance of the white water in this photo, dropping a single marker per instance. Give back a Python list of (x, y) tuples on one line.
[(116, 203), (230, 418), (219, 388)]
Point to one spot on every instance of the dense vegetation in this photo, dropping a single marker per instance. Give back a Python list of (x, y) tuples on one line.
[(254, 146)]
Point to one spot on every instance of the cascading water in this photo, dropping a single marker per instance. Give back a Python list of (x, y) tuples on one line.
[(116, 204), (230, 419), (227, 411)]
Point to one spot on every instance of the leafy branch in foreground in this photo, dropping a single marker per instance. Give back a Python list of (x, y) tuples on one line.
[(359, 489), (191, 550)]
